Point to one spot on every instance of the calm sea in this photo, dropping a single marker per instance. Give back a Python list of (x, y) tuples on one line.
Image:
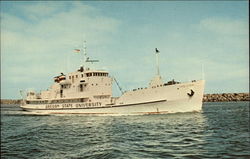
[(221, 130)]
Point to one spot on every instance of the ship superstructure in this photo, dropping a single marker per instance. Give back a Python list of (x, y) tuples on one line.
[(89, 91)]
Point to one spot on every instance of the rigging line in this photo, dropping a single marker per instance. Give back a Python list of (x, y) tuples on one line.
[(118, 85)]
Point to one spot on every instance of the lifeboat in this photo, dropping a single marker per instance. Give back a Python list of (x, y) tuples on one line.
[(62, 77), (59, 78)]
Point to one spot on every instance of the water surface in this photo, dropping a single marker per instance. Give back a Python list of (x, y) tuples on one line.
[(221, 130)]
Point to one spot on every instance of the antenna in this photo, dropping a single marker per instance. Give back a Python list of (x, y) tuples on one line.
[(157, 61)]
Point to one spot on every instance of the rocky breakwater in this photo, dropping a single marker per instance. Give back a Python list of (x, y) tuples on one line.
[(10, 101), (226, 97)]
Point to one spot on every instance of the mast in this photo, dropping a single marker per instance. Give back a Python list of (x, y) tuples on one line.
[(84, 52), (156, 81), (87, 59), (157, 61)]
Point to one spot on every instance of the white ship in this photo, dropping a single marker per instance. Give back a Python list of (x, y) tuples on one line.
[(89, 91)]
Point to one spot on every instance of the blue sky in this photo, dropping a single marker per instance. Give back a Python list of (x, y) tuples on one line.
[(38, 38)]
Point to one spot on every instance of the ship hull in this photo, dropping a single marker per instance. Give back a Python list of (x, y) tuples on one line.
[(168, 99)]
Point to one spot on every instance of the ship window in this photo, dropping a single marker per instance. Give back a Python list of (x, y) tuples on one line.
[(76, 76), (88, 74), (69, 77), (82, 75)]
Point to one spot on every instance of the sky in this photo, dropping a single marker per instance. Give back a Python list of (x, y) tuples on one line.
[(197, 40)]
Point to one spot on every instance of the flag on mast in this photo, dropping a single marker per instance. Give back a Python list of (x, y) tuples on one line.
[(156, 50), (77, 50)]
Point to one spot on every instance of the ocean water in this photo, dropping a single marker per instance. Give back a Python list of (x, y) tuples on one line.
[(221, 130)]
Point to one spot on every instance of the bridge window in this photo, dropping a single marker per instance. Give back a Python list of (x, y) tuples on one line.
[(89, 74)]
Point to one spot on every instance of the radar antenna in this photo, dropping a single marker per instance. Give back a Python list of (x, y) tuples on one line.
[(88, 60)]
